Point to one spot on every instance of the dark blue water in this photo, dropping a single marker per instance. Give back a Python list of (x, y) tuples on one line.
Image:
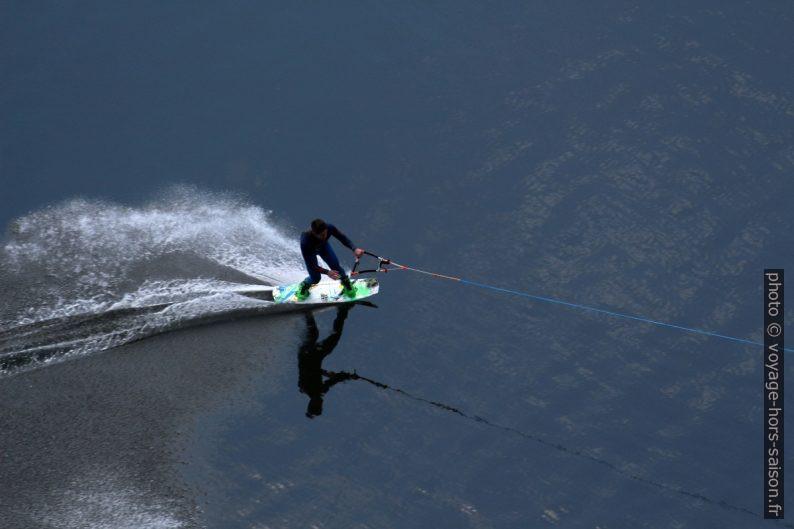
[(154, 158)]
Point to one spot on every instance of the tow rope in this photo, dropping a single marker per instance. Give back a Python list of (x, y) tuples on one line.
[(388, 265)]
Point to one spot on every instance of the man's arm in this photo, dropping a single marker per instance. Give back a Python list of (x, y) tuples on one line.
[(335, 378), (333, 230)]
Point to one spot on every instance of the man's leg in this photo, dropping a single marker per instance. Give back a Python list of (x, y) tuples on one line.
[(328, 255), (312, 279), (314, 274)]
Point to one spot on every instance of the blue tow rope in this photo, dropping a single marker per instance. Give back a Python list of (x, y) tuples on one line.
[(386, 265), (616, 314)]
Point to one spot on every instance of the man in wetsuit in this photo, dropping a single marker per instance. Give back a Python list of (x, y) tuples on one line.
[(315, 242)]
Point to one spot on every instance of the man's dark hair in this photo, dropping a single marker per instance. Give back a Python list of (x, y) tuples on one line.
[(318, 225)]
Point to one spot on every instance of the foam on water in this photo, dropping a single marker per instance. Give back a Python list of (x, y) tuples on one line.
[(72, 273)]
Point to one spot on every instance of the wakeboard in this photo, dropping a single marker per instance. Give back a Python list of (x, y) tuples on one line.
[(330, 292)]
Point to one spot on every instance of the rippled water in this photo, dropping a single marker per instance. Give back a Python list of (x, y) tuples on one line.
[(634, 158)]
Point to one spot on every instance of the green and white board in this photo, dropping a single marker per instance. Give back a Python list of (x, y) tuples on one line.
[(330, 292)]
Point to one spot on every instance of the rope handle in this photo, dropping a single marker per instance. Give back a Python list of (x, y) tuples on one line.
[(383, 264)]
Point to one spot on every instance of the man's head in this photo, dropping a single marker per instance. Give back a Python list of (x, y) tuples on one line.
[(319, 228)]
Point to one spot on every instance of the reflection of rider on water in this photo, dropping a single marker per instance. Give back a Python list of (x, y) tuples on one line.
[(311, 374)]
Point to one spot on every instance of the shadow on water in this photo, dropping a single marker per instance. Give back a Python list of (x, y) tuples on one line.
[(556, 446), (313, 380)]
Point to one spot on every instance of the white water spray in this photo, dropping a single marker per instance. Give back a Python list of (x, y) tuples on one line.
[(183, 254)]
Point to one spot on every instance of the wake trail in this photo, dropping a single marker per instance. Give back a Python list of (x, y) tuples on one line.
[(87, 275)]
